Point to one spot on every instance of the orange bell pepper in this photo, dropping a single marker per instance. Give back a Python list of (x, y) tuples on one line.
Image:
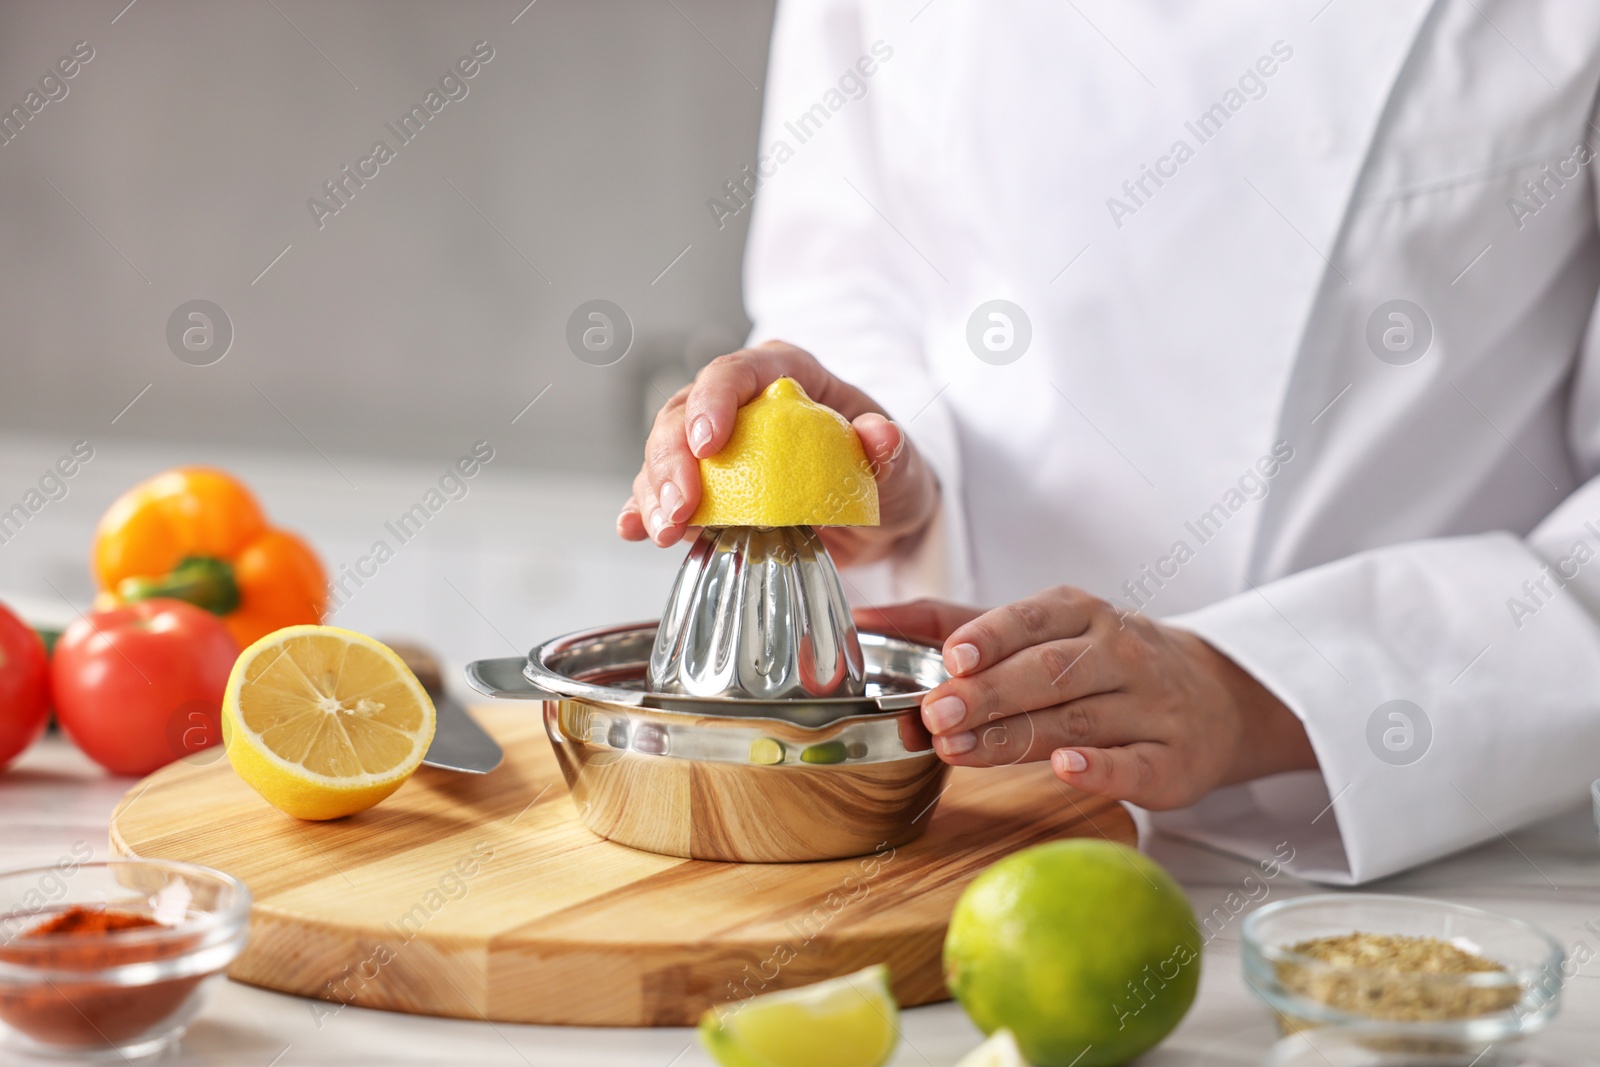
[(197, 534)]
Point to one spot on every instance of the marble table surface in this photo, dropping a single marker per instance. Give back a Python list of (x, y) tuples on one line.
[(1549, 873)]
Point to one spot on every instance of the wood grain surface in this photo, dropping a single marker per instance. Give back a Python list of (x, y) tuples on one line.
[(485, 898)]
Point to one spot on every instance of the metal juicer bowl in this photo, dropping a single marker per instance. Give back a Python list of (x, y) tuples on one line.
[(732, 778)]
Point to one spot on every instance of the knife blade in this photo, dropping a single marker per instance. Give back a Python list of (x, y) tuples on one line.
[(459, 743)]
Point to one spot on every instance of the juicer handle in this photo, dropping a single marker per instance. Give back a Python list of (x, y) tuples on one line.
[(503, 679)]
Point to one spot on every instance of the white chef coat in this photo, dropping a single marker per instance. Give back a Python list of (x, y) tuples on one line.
[(920, 159)]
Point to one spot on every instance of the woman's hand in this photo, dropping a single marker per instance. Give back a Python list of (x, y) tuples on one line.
[(698, 420), (1121, 705)]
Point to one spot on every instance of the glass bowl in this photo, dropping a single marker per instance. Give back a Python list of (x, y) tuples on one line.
[(1504, 1005), (1332, 1047), (86, 996)]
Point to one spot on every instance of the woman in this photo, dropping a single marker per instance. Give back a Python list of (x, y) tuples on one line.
[(1242, 358)]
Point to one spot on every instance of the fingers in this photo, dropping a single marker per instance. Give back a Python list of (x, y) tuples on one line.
[(668, 487), (883, 441), (928, 621), (699, 420), (735, 379), (1100, 721), (1052, 615), (630, 524), (1143, 773), (1054, 673)]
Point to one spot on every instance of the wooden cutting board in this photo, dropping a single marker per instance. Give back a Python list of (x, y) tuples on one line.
[(484, 897)]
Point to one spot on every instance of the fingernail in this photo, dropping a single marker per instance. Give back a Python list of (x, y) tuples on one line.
[(1069, 761), (629, 506), (901, 447), (657, 521), (963, 658), (944, 713), (699, 434), (959, 744), (671, 501)]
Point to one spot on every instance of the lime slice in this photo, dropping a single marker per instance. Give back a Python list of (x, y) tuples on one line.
[(844, 1022), (999, 1051), (766, 751)]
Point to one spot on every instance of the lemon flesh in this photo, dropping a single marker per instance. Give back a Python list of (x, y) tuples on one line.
[(324, 722), (844, 1022), (789, 462), (1086, 950), (999, 1051)]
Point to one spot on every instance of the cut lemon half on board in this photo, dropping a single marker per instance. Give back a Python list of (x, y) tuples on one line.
[(844, 1022), (999, 1051), (324, 722)]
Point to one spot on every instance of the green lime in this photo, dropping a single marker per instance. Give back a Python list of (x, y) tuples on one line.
[(1086, 950), (825, 752), (850, 1021)]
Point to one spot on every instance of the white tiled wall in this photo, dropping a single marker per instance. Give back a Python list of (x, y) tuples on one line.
[(426, 313)]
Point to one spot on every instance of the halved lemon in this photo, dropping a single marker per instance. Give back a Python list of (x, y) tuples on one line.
[(850, 1021), (790, 462), (324, 722)]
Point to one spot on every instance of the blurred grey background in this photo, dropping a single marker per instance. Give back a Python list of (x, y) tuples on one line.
[(431, 308), (372, 351)]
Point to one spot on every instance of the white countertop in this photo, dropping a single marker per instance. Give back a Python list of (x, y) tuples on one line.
[(524, 557), (1548, 873)]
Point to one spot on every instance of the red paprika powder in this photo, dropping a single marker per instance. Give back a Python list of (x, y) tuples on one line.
[(64, 1010), (84, 921)]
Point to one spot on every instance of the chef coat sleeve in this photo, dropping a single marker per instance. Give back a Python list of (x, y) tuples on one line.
[(1451, 688), (826, 271)]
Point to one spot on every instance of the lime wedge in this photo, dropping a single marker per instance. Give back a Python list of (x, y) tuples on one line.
[(844, 1022), (999, 1051), (766, 751), (825, 752)]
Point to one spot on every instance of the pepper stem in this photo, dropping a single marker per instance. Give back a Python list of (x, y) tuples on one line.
[(204, 581)]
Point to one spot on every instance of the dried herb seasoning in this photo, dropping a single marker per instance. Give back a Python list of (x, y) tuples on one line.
[(1395, 977)]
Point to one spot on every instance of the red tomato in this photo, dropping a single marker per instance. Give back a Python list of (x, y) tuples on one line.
[(24, 686), (136, 687)]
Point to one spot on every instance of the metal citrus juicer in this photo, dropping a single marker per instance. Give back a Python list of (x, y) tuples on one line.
[(757, 613), (753, 723)]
